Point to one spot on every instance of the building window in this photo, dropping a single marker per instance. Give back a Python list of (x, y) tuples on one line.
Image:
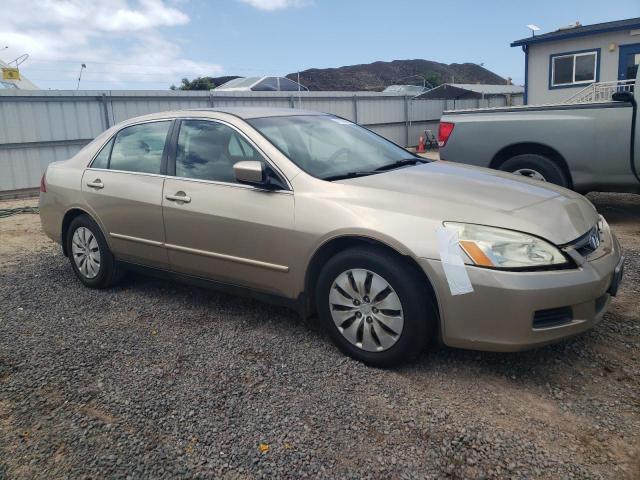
[(576, 68)]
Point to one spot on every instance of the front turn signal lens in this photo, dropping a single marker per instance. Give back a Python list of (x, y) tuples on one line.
[(475, 253)]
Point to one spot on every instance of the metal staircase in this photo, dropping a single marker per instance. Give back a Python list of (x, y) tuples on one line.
[(601, 91)]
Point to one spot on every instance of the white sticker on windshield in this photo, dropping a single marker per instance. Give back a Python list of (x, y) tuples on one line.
[(341, 121), (452, 263)]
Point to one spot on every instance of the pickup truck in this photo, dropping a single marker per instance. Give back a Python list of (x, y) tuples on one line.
[(585, 147)]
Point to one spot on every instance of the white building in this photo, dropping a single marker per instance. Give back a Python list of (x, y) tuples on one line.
[(559, 64)]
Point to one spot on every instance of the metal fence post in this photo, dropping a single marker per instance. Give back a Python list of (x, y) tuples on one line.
[(211, 103), (291, 102), (406, 121), (355, 108), (105, 111)]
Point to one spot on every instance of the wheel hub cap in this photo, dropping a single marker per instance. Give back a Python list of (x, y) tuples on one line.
[(366, 310), (86, 252), (528, 172)]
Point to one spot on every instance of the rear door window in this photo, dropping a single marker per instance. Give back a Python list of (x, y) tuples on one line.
[(139, 148)]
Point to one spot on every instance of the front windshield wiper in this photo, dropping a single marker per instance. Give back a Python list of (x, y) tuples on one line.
[(343, 176), (400, 163), (397, 164)]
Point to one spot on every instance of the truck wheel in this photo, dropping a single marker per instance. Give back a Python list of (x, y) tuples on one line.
[(537, 167), (375, 308)]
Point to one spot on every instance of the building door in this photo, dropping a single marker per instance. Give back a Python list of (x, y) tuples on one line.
[(628, 62)]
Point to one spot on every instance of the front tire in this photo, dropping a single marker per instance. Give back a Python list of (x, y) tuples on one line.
[(537, 167), (375, 307), (89, 254)]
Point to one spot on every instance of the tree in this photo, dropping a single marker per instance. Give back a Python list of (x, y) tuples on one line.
[(200, 83), (432, 78)]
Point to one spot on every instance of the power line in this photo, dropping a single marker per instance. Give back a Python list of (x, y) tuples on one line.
[(112, 72), (71, 80), (143, 65)]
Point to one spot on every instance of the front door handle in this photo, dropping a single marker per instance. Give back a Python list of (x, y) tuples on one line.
[(179, 197), (97, 183)]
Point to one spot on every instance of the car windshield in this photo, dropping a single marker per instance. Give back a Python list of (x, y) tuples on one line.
[(330, 148)]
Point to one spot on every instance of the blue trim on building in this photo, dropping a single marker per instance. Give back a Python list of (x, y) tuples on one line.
[(569, 34), (574, 85), (525, 49)]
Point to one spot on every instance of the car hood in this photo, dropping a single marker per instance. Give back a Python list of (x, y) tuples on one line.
[(454, 192)]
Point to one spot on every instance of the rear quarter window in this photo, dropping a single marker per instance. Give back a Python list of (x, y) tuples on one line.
[(102, 159)]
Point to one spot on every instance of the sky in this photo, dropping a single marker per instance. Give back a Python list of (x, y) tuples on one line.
[(152, 44)]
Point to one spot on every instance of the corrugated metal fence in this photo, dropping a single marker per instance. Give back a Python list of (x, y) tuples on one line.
[(40, 127)]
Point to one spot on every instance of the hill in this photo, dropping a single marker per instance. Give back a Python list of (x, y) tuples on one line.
[(372, 76), (378, 75)]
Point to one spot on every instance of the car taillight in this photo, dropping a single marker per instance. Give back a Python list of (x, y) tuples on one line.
[(444, 132), (43, 184)]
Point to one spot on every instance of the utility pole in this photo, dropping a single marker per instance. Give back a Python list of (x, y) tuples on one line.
[(82, 67)]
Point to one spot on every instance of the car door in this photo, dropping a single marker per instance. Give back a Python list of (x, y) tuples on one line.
[(218, 228), (123, 186)]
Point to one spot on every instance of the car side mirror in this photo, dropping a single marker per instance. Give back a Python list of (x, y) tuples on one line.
[(249, 171), (252, 172), (623, 97)]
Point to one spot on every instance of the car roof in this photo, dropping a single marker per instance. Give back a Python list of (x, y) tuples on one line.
[(244, 113), (259, 112)]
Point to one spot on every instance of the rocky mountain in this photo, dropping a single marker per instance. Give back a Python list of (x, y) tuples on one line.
[(378, 75), (372, 76)]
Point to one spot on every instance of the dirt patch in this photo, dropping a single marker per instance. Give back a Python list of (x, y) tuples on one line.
[(20, 234)]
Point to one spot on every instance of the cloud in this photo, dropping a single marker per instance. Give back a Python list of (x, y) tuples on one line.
[(122, 42), (270, 5)]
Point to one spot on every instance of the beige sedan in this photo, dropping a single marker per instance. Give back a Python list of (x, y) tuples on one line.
[(389, 250)]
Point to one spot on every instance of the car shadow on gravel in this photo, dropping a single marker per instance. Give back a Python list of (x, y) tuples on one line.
[(182, 294)]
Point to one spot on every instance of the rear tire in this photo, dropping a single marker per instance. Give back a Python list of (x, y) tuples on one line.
[(537, 167), (375, 307), (89, 254)]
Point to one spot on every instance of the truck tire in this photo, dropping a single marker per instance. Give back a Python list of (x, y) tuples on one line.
[(537, 167)]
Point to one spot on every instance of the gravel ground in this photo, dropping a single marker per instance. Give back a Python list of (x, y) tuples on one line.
[(152, 379)]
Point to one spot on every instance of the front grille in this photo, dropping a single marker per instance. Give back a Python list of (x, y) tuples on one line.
[(552, 317), (588, 243)]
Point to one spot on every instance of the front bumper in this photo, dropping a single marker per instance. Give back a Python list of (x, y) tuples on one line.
[(499, 314)]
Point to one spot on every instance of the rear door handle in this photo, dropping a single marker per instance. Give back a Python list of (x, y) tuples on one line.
[(97, 183), (179, 197)]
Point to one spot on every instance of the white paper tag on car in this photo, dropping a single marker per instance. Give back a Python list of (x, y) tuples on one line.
[(452, 263)]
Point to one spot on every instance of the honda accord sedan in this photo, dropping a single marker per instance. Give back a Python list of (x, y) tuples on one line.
[(388, 250)]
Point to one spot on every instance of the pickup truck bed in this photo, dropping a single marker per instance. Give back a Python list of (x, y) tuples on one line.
[(581, 146)]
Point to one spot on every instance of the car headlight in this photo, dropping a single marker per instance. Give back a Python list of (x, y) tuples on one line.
[(500, 248)]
